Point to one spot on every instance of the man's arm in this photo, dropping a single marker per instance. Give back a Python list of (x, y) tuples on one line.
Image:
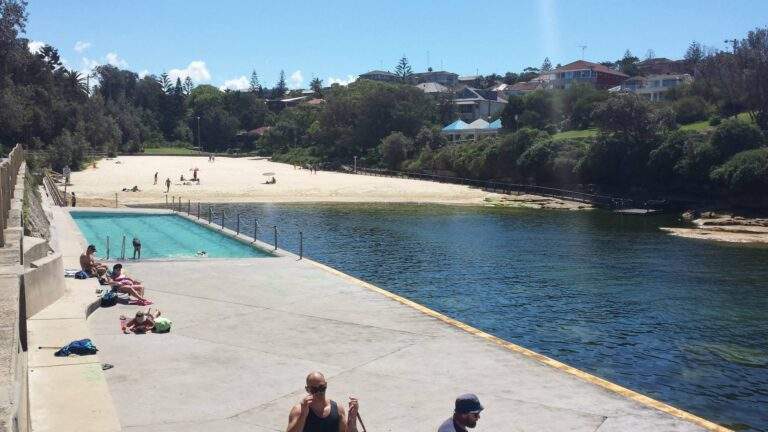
[(296, 419)]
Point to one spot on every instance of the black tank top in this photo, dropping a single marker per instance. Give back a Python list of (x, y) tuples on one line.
[(323, 424)]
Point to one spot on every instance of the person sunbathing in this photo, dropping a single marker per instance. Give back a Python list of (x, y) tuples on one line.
[(125, 287), (141, 323), (119, 276), (88, 262)]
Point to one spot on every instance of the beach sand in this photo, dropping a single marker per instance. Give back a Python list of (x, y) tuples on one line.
[(242, 180), (725, 229)]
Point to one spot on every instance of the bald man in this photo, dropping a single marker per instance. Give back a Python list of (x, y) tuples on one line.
[(316, 413)]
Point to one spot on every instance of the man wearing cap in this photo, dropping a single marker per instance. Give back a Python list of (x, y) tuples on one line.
[(88, 263), (465, 415)]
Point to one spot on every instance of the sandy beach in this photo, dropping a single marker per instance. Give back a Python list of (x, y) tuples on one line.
[(242, 180), (725, 229)]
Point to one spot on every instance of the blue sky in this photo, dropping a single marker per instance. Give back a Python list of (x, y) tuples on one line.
[(220, 42)]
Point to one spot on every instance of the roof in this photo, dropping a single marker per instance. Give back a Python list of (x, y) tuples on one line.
[(526, 86), (294, 99), (378, 72), (315, 101), (259, 131), (469, 77), (432, 87), (478, 124), (457, 125), (583, 65)]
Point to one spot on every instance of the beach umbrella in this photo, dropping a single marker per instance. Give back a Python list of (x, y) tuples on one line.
[(268, 174)]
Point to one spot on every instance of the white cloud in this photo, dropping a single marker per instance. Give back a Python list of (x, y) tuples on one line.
[(239, 83), (88, 65), (297, 79), (34, 46), (115, 60), (197, 70), (143, 73), (81, 46), (342, 81)]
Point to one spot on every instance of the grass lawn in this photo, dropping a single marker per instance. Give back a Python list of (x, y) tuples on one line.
[(586, 133), (171, 151), (704, 126)]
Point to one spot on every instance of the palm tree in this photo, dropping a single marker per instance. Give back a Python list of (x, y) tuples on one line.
[(76, 82)]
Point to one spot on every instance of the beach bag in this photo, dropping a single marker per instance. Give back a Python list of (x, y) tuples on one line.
[(81, 275), (162, 325), (108, 299), (79, 347)]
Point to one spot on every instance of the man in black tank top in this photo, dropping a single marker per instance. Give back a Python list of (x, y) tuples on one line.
[(316, 413)]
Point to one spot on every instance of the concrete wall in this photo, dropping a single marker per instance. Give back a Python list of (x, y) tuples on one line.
[(43, 283), (34, 249)]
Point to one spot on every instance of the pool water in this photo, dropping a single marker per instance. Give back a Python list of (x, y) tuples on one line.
[(161, 235)]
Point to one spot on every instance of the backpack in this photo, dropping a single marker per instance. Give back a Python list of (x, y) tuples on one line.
[(162, 325), (81, 275), (79, 347), (109, 298)]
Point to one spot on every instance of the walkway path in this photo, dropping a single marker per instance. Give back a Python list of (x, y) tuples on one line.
[(246, 333)]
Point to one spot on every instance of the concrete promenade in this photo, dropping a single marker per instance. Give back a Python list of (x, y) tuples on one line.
[(246, 332)]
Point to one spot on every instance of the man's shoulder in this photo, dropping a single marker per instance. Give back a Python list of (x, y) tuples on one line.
[(447, 426)]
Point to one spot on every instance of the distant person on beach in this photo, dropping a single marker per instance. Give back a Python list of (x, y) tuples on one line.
[(182, 178), (167, 185), (89, 264), (465, 415), (136, 248), (316, 413), (155, 177), (74, 200), (143, 322)]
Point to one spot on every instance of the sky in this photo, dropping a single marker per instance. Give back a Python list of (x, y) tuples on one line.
[(220, 42)]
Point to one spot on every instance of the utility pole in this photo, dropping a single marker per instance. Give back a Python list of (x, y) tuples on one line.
[(199, 145)]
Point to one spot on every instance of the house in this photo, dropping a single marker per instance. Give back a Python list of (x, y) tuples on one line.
[(447, 79), (377, 75), (580, 71), (433, 88), (519, 88), (652, 87), (473, 104), (279, 104), (459, 130), (661, 66), (470, 80)]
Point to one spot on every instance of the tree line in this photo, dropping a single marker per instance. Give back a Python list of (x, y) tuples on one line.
[(637, 146)]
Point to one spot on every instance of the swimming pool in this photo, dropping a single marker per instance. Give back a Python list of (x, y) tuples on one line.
[(161, 235)]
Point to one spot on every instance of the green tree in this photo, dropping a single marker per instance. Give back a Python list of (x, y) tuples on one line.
[(280, 87), (188, 86), (745, 173), (403, 70), (317, 86), (628, 64), (735, 136), (254, 85), (394, 149), (546, 66)]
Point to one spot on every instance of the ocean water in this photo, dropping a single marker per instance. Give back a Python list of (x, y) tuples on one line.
[(162, 236), (683, 321)]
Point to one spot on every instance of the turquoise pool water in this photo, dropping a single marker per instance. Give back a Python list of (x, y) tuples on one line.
[(161, 235)]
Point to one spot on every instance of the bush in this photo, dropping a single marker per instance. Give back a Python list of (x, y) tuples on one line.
[(715, 121), (745, 173), (394, 149), (690, 109), (735, 136)]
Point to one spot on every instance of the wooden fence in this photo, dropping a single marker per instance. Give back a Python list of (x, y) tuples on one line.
[(505, 188), (9, 170)]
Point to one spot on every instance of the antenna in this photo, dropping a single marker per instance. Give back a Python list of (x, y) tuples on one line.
[(583, 48)]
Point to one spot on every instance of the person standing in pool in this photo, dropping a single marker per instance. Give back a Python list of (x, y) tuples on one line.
[(136, 247), (155, 177), (74, 200), (167, 185)]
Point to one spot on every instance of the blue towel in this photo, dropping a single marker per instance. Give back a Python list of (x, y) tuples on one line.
[(79, 347)]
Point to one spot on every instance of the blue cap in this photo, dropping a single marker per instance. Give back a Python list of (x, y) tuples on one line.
[(468, 403)]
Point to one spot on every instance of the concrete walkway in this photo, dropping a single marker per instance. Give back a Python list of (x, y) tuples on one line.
[(246, 333)]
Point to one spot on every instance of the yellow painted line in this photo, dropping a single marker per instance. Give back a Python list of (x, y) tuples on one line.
[(623, 391)]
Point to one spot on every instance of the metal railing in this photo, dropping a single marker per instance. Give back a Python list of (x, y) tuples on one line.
[(223, 215), (9, 170)]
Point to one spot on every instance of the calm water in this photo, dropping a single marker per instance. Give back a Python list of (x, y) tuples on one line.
[(683, 321), (162, 236)]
